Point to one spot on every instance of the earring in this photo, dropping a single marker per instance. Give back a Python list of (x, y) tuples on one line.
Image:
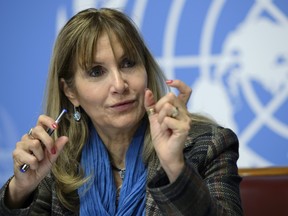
[(76, 114)]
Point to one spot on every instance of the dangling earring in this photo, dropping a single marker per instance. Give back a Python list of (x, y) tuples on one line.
[(76, 114)]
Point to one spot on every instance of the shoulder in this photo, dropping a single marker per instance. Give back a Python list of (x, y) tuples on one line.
[(206, 132), (210, 146), (207, 140)]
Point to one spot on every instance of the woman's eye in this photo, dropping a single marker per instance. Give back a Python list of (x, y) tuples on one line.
[(96, 71), (126, 63)]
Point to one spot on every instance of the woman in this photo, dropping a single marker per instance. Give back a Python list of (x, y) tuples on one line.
[(127, 147)]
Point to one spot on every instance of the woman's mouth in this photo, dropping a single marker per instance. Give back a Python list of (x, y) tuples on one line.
[(123, 106)]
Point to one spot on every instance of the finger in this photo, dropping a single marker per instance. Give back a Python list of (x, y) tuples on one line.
[(184, 90), (21, 157), (149, 100), (59, 145), (46, 122), (168, 98), (149, 103), (41, 134), (35, 147), (31, 152), (179, 128), (166, 111), (29, 134)]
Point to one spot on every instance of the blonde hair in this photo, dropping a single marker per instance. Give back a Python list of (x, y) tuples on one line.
[(76, 43)]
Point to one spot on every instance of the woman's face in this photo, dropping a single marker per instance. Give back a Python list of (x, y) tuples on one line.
[(112, 92)]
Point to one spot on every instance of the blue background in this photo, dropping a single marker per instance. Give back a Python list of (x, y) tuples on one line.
[(28, 31)]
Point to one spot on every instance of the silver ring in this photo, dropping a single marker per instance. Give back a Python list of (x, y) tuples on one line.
[(30, 134), (24, 168), (175, 112)]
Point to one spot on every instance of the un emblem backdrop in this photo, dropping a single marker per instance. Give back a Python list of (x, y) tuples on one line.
[(234, 54)]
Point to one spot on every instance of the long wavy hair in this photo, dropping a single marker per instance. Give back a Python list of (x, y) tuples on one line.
[(76, 44)]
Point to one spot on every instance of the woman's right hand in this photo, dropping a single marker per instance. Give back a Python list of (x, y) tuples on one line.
[(40, 151)]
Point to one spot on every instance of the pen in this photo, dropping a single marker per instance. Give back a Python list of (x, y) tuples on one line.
[(25, 167)]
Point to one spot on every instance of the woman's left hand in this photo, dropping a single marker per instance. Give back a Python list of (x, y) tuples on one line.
[(169, 125)]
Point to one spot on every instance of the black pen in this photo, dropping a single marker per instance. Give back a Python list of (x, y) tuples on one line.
[(25, 167)]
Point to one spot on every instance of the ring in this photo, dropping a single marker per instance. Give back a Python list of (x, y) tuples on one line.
[(24, 168), (175, 112), (151, 111), (30, 134)]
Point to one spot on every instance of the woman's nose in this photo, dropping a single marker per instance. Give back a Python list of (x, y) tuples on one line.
[(119, 83)]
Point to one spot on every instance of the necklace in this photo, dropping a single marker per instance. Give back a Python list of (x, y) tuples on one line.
[(121, 172)]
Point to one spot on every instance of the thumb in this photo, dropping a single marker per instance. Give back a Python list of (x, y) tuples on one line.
[(59, 145), (149, 100)]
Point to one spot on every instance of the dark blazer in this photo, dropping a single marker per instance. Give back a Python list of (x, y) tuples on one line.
[(208, 185)]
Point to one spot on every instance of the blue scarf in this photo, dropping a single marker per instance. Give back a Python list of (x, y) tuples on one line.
[(98, 195)]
